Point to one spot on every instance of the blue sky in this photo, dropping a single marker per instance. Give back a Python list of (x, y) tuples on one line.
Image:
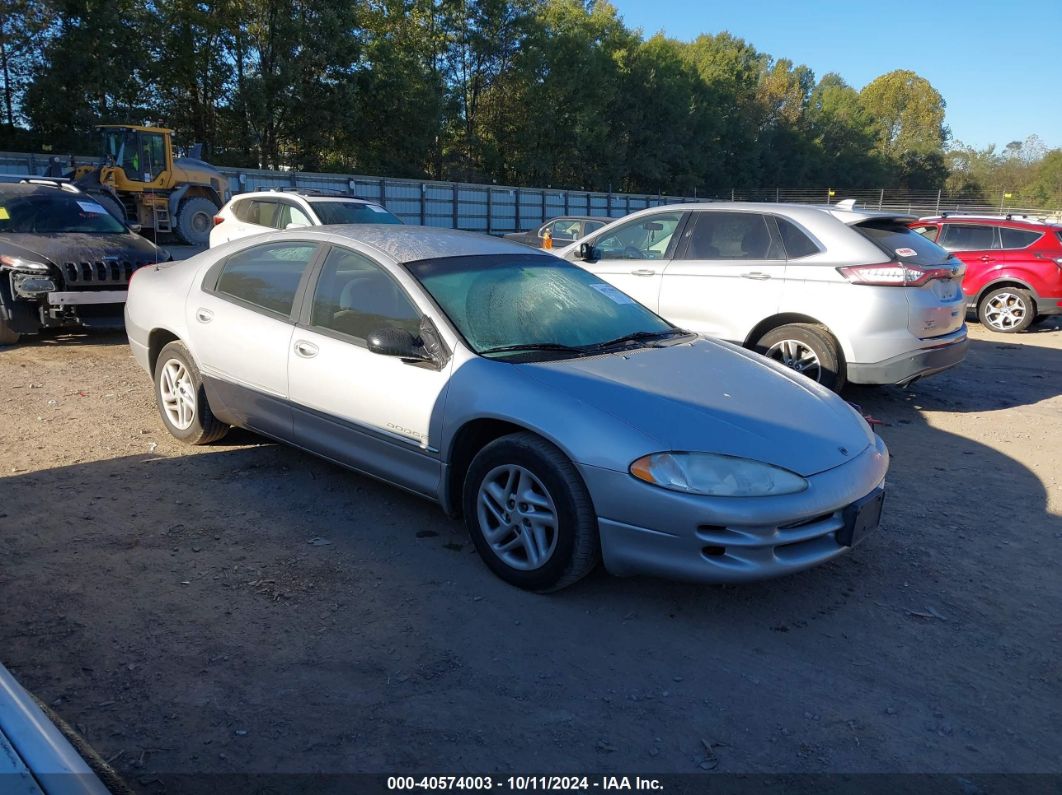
[(998, 65)]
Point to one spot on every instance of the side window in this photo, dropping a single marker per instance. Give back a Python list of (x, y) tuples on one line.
[(732, 236), (1018, 238), (261, 212), (797, 243), (592, 226), (290, 214), (928, 232), (266, 276), (645, 238), (355, 296), (546, 228), (242, 210), (565, 231), (154, 154), (968, 237)]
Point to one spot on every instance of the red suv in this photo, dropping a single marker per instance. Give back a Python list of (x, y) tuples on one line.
[(1013, 266)]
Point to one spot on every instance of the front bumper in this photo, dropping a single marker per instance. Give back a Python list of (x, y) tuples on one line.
[(649, 530), (83, 297), (914, 364)]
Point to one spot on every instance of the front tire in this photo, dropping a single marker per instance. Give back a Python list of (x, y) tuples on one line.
[(195, 219), (808, 349), (1008, 310), (182, 400), (529, 514)]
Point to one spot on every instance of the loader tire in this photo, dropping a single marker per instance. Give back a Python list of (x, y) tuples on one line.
[(195, 219)]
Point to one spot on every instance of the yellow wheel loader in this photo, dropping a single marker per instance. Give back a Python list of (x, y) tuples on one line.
[(142, 184)]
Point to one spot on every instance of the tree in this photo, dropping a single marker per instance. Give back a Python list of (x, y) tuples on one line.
[(908, 113)]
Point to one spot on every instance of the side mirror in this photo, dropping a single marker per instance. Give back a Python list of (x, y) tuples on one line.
[(135, 228), (397, 342), (586, 251)]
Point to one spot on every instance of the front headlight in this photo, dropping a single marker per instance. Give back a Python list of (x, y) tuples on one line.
[(26, 265), (716, 475)]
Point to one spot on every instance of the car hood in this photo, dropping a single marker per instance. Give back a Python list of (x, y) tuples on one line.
[(73, 247), (710, 396)]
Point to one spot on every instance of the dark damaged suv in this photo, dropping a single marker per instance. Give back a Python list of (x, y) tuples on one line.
[(64, 260)]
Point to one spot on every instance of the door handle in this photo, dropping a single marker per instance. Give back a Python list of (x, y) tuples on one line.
[(756, 275), (643, 272), (986, 258), (307, 350), (204, 315)]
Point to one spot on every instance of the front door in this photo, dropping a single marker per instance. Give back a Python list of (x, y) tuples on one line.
[(978, 245), (727, 275), (247, 300), (633, 255), (371, 412)]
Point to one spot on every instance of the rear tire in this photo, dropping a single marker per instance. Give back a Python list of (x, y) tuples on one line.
[(7, 335), (195, 219), (1007, 310), (529, 514), (182, 400), (808, 349)]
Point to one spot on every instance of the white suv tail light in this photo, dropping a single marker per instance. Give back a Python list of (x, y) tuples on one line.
[(896, 274)]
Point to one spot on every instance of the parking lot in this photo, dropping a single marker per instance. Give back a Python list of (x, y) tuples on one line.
[(246, 607)]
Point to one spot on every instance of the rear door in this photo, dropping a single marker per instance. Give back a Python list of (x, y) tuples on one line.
[(254, 217), (728, 274), (979, 246), (240, 324), (632, 256)]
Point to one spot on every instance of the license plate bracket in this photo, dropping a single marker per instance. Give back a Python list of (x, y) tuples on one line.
[(861, 518)]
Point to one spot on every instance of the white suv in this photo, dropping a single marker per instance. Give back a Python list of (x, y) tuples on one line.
[(834, 293), (267, 211)]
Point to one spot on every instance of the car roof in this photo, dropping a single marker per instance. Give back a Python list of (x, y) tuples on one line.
[(306, 195), (796, 211), (15, 189), (1031, 224), (412, 243)]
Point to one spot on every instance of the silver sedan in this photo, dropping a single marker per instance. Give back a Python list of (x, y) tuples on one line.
[(565, 422)]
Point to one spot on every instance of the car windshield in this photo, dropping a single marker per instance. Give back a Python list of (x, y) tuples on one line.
[(55, 213), (514, 305), (340, 212)]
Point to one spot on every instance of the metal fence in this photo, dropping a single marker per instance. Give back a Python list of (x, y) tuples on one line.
[(497, 209)]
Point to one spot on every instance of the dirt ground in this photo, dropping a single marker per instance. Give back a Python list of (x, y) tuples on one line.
[(248, 608)]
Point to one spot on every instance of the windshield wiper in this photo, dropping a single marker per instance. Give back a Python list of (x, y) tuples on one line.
[(534, 346), (639, 336)]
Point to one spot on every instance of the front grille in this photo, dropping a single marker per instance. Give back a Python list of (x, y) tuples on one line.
[(98, 273), (740, 546)]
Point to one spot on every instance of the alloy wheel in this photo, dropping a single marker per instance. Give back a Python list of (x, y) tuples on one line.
[(796, 356), (1005, 311), (178, 394), (517, 516)]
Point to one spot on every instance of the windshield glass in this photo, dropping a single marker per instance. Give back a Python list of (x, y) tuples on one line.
[(55, 212), (339, 212), (514, 301)]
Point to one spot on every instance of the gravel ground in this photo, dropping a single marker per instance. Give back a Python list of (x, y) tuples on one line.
[(248, 608)]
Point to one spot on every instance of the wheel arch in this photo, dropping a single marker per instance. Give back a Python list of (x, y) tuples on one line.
[(1006, 281), (158, 339), (786, 318), (467, 441)]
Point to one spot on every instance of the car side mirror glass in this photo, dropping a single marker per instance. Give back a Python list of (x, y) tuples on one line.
[(397, 342), (586, 251)]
